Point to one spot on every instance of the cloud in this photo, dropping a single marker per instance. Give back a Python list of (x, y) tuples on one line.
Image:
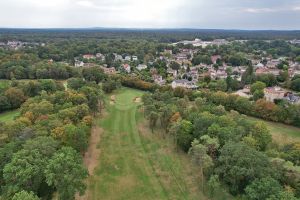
[(296, 8), (85, 3), (260, 10), (231, 14)]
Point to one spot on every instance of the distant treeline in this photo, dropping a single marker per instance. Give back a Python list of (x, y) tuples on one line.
[(161, 35)]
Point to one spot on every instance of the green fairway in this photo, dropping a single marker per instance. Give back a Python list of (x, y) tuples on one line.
[(8, 116), (136, 164), (281, 133)]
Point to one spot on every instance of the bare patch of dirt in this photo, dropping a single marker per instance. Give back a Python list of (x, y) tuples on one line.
[(137, 100), (91, 157), (112, 99)]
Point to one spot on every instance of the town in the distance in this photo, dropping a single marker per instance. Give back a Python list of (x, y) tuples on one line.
[(202, 64)]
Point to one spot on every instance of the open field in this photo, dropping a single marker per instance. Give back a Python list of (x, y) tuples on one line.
[(8, 116), (136, 164), (281, 133)]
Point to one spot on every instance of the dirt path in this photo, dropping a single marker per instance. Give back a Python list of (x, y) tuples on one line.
[(91, 157)]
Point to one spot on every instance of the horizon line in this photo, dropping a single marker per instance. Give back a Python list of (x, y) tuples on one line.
[(146, 28)]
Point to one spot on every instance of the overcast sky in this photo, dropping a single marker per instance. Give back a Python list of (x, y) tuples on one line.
[(219, 14)]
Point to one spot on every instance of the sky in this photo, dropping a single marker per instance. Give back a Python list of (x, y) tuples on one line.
[(203, 14)]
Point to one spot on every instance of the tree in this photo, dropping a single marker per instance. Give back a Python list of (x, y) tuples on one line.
[(23, 195), (46, 146), (213, 184), (258, 94), (212, 145), (200, 157), (221, 85), (257, 86), (4, 103), (295, 85), (174, 65), (65, 172), (94, 74), (179, 92), (75, 83), (184, 135), (15, 97), (283, 195), (24, 172), (153, 117), (238, 165), (76, 136), (262, 135), (262, 189), (166, 113), (6, 154)]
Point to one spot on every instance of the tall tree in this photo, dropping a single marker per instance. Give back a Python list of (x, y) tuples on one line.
[(200, 157), (23, 195), (66, 173)]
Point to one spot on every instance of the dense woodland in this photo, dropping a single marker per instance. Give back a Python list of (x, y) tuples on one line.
[(228, 148), (41, 150)]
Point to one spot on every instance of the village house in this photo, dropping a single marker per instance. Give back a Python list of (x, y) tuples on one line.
[(118, 57), (184, 83), (275, 72), (245, 92), (219, 74), (166, 51), (291, 72), (181, 57), (264, 70), (88, 56), (172, 72), (79, 63), (127, 58), (109, 71), (215, 58), (134, 58), (141, 67), (158, 79), (100, 56), (126, 67), (292, 98), (272, 93), (273, 63), (259, 65)]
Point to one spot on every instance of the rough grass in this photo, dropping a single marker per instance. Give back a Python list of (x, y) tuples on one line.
[(281, 133), (136, 164), (9, 116), (4, 84)]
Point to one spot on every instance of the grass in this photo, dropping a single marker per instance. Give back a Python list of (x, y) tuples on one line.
[(9, 116), (137, 164), (281, 133), (4, 84)]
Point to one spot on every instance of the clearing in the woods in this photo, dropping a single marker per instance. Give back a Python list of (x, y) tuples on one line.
[(9, 115), (134, 163), (281, 133)]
